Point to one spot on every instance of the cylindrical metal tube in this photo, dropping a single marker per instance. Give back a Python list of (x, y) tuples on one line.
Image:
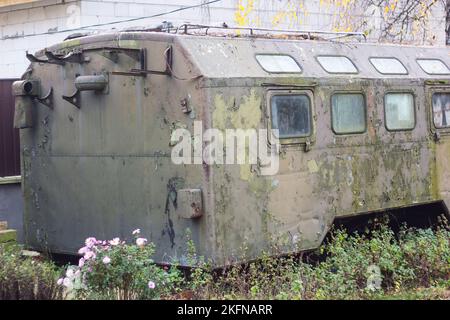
[(26, 88), (23, 114), (95, 83)]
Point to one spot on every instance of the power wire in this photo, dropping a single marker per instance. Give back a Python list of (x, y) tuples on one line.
[(112, 22)]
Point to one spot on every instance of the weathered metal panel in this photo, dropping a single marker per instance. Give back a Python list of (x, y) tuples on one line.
[(9, 137), (214, 56)]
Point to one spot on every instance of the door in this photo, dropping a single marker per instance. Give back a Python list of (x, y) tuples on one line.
[(438, 100)]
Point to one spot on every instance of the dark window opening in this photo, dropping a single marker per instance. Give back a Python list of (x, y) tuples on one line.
[(291, 115), (441, 109)]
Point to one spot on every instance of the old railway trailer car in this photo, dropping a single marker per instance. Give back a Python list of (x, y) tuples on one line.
[(362, 127)]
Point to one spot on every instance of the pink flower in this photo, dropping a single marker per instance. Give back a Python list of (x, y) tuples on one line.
[(81, 262), (106, 260), (114, 242), (90, 242), (60, 281), (89, 255), (137, 231), (141, 242), (67, 282), (69, 273), (151, 285), (83, 250)]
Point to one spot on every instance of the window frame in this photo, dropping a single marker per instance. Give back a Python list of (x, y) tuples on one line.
[(278, 54), (271, 92), (430, 99), (429, 91), (336, 56), (389, 74), (414, 108), (365, 112), (433, 59)]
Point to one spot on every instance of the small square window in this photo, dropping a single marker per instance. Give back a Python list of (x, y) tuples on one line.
[(388, 66), (291, 115), (433, 66), (399, 111), (441, 109), (278, 63), (348, 112), (337, 64)]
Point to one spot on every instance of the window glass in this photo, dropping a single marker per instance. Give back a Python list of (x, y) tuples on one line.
[(336, 64), (348, 113), (388, 66), (433, 66), (441, 110), (278, 63), (399, 110), (291, 115)]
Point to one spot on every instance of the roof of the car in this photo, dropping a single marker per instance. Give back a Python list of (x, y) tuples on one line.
[(226, 55)]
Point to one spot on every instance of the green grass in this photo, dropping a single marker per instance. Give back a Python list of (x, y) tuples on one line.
[(416, 294), (377, 264)]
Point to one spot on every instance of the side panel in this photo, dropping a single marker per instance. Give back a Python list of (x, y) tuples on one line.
[(273, 213), (441, 144), (341, 175), (381, 168), (105, 169)]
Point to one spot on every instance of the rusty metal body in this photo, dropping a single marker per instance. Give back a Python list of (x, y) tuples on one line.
[(98, 163)]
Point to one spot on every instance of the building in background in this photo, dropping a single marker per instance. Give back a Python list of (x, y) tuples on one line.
[(34, 24)]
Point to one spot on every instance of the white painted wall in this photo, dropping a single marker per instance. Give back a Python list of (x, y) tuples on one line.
[(39, 24), (19, 26)]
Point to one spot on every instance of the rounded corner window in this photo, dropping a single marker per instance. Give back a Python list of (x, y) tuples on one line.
[(385, 65), (433, 66), (441, 109), (337, 64), (399, 111), (278, 63), (291, 115), (348, 113)]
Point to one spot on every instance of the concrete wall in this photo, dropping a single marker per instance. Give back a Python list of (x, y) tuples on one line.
[(34, 25), (11, 207), (20, 27)]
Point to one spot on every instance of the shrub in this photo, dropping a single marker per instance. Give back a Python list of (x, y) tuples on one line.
[(24, 278), (115, 269), (367, 265)]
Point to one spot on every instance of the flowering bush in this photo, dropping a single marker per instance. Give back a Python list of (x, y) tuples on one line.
[(414, 264), (116, 269)]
